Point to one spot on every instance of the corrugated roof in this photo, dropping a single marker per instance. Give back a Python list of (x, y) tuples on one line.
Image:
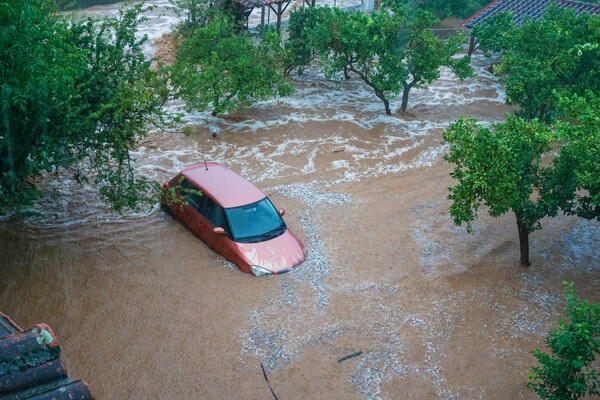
[(30, 365), (523, 9)]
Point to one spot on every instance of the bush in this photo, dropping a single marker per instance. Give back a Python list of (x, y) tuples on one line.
[(567, 372)]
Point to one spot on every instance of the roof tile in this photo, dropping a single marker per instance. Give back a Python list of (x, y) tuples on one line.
[(30, 365), (527, 9)]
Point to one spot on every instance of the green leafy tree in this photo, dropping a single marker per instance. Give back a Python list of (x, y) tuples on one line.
[(73, 93), (220, 68), (495, 32), (298, 51), (546, 59), (579, 159), (500, 168), (568, 371), (449, 8), (392, 50), (191, 13)]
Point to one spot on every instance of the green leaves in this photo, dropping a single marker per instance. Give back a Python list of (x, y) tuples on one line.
[(74, 93), (390, 50), (567, 372), (580, 156), (546, 59), (448, 8), (500, 169), (220, 68)]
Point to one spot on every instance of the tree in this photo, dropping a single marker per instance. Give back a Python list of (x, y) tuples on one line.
[(546, 59), (298, 51), (500, 168), (73, 93), (392, 50), (191, 13), (494, 33), (579, 158), (567, 372), (227, 70), (449, 8)]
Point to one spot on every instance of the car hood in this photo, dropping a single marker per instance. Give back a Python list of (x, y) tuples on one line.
[(276, 255)]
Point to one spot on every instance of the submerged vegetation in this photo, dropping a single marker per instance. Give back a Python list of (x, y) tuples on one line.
[(502, 168), (78, 94)]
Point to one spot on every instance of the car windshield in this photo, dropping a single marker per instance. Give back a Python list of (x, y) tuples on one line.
[(255, 222)]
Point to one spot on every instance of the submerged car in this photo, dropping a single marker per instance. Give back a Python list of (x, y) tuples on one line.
[(234, 218)]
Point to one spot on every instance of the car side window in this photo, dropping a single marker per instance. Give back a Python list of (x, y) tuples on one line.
[(202, 203), (214, 213), (191, 194)]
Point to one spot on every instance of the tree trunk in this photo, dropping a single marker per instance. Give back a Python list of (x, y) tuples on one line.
[(524, 243), (387, 106), (378, 93), (279, 17), (407, 87), (471, 46), (386, 102), (10, 158)]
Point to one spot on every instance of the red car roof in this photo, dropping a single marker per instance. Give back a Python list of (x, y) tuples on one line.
[(222, 184)]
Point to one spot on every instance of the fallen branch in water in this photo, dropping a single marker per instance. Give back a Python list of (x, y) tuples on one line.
[(358, 353), (268, 383)]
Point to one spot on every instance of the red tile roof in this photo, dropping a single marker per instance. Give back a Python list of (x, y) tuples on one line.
[(7, 326), (523, 9), (30, 365)]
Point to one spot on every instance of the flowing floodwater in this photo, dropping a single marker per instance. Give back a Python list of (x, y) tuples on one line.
[(143, 309)]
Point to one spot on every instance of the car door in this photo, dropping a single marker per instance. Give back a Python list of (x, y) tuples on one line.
[(202, 214), (189, 212)]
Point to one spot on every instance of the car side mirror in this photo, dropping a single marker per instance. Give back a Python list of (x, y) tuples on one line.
[(281, 212), (219, 231)]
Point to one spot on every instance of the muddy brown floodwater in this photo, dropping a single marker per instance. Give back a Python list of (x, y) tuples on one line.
[(144, 310)]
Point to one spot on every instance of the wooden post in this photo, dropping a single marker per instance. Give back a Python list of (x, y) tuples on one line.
[(279, 17), (262, 17), (471, 45)]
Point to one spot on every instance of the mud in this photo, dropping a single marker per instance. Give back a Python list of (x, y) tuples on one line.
[(143, 309)]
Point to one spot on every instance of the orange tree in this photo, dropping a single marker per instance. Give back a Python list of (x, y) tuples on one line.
[(567, 371), (500, 167), (392, 50), (221, 68), (546, 59), (74, 93)]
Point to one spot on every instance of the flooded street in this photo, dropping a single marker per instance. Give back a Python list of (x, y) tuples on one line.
[(144, 310)]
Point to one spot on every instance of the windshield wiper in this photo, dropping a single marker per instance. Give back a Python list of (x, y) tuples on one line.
[(265, 236)]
